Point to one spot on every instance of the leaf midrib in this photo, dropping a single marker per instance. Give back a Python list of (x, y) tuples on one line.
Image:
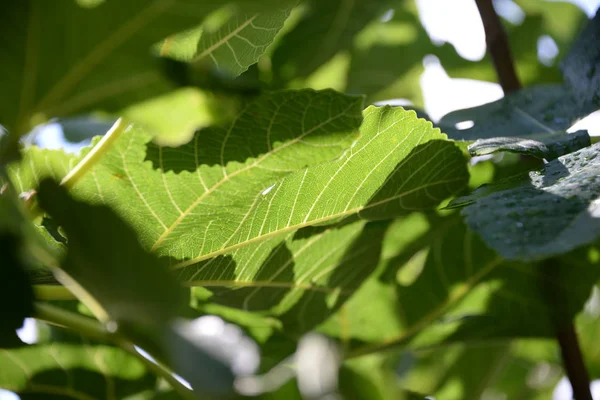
[(225, 39), (291, 228)]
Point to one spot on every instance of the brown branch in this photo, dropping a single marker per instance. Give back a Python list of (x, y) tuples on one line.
[(573, 362), (497, 45), (559, 308)]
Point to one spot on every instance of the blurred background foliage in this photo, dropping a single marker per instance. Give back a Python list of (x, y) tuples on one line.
[(391, 51)]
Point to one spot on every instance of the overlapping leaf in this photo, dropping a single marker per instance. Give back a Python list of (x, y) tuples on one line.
[(220, 207), (547, 145), (533, 110), (233, 47), (332, 24), (548, 213), (63, 58), (446, 285)]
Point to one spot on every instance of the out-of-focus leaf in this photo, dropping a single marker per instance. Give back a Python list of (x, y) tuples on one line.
[(174, 117), (546, 145), (581, 67), (552, 212), (108, 262), (135, 291), (81, 371), (475, 371), (533, 110), (234, 46), (108, 64), (446, 286), (332, 24)]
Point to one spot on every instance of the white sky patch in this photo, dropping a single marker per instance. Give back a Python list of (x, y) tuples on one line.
[(28, 332), (547, 50), (456, 22), (8, 395), (442, 94), (591, 123)]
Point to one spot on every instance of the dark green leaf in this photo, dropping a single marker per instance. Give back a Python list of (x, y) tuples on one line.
[(332, 24), (445, 286), (581, 67), (552, 212), (104, 258), (108, 64), (533, 110)]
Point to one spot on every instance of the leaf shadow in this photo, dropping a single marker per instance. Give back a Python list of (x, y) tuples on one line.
[(266, 288), (358, 263)]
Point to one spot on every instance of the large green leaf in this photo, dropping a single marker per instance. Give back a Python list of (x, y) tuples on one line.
[(232, 48), (547, 213), (64, 58), (332, 24), (254, 244), (73, 371)]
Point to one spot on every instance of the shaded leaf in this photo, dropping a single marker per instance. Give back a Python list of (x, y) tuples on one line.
[(581, 66), (460, 291), (547, 145), (108, 262), (332, 24), (108, 67), (16, 293), (236, 45), (552, 212), (533, 110)]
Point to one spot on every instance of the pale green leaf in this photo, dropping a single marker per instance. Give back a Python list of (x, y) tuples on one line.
[(546, 145), (549, 213)]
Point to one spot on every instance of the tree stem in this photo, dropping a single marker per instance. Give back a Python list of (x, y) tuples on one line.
[(498, 48), (560, 312), (573, 362)]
